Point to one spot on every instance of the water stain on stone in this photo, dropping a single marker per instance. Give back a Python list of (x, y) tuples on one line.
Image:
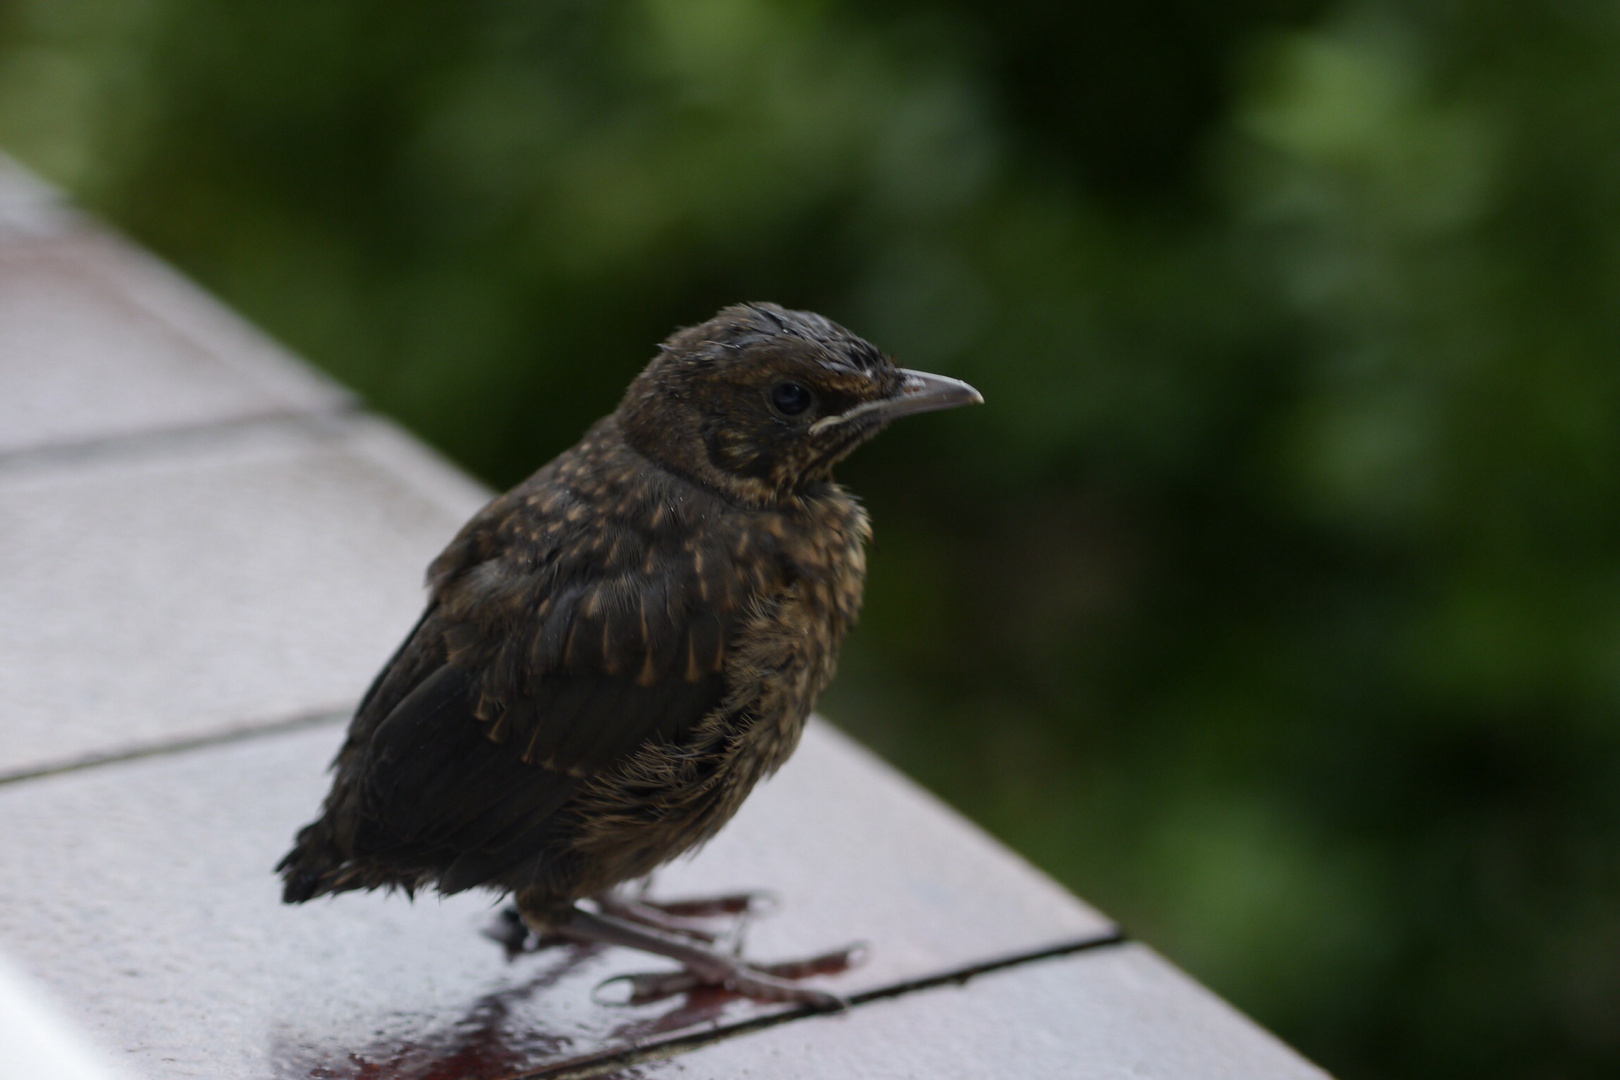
[(505, 1034), (494, 1038)]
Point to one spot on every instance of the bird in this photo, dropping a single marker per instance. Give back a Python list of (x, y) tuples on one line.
[(617, 650)]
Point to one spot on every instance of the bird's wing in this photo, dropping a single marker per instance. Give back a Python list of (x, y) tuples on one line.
[(521, 684)]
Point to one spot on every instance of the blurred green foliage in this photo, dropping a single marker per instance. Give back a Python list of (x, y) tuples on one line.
[(1274, 600)]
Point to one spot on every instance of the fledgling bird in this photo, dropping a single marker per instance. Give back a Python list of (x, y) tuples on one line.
[(618, 649)]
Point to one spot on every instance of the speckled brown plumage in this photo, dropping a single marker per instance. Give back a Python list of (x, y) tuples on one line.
[(618, 649)]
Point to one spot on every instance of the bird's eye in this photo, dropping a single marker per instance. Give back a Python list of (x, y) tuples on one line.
[(791, 399)]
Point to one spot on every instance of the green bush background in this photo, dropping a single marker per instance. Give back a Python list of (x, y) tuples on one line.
[(1272, 603)]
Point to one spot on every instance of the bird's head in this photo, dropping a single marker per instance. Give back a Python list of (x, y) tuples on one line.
[(761, 402)]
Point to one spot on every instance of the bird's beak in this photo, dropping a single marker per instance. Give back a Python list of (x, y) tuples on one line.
[(920, 392)]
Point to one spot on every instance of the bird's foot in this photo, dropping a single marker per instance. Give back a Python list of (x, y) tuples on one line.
[(704, 966), (763, 982), (515, 937)]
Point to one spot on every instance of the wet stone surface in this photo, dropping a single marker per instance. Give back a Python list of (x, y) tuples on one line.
[(141, 894)]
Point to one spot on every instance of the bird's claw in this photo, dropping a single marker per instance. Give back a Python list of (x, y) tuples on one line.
[(645, 987), (832, 963)]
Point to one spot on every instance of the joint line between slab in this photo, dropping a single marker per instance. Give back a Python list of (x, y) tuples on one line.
[(233, 734), (612, 1061), (97, 447)]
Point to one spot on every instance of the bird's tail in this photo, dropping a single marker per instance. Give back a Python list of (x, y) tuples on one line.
[(314, 867)]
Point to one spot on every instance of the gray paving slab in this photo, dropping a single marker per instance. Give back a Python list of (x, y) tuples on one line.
[(1116, 1013), (99, 340), (181, 588), (140, 893)]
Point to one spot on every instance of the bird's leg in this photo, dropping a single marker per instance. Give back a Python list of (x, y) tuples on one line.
[(638, 910), (704, 966), (509, 930), (675, 916)]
